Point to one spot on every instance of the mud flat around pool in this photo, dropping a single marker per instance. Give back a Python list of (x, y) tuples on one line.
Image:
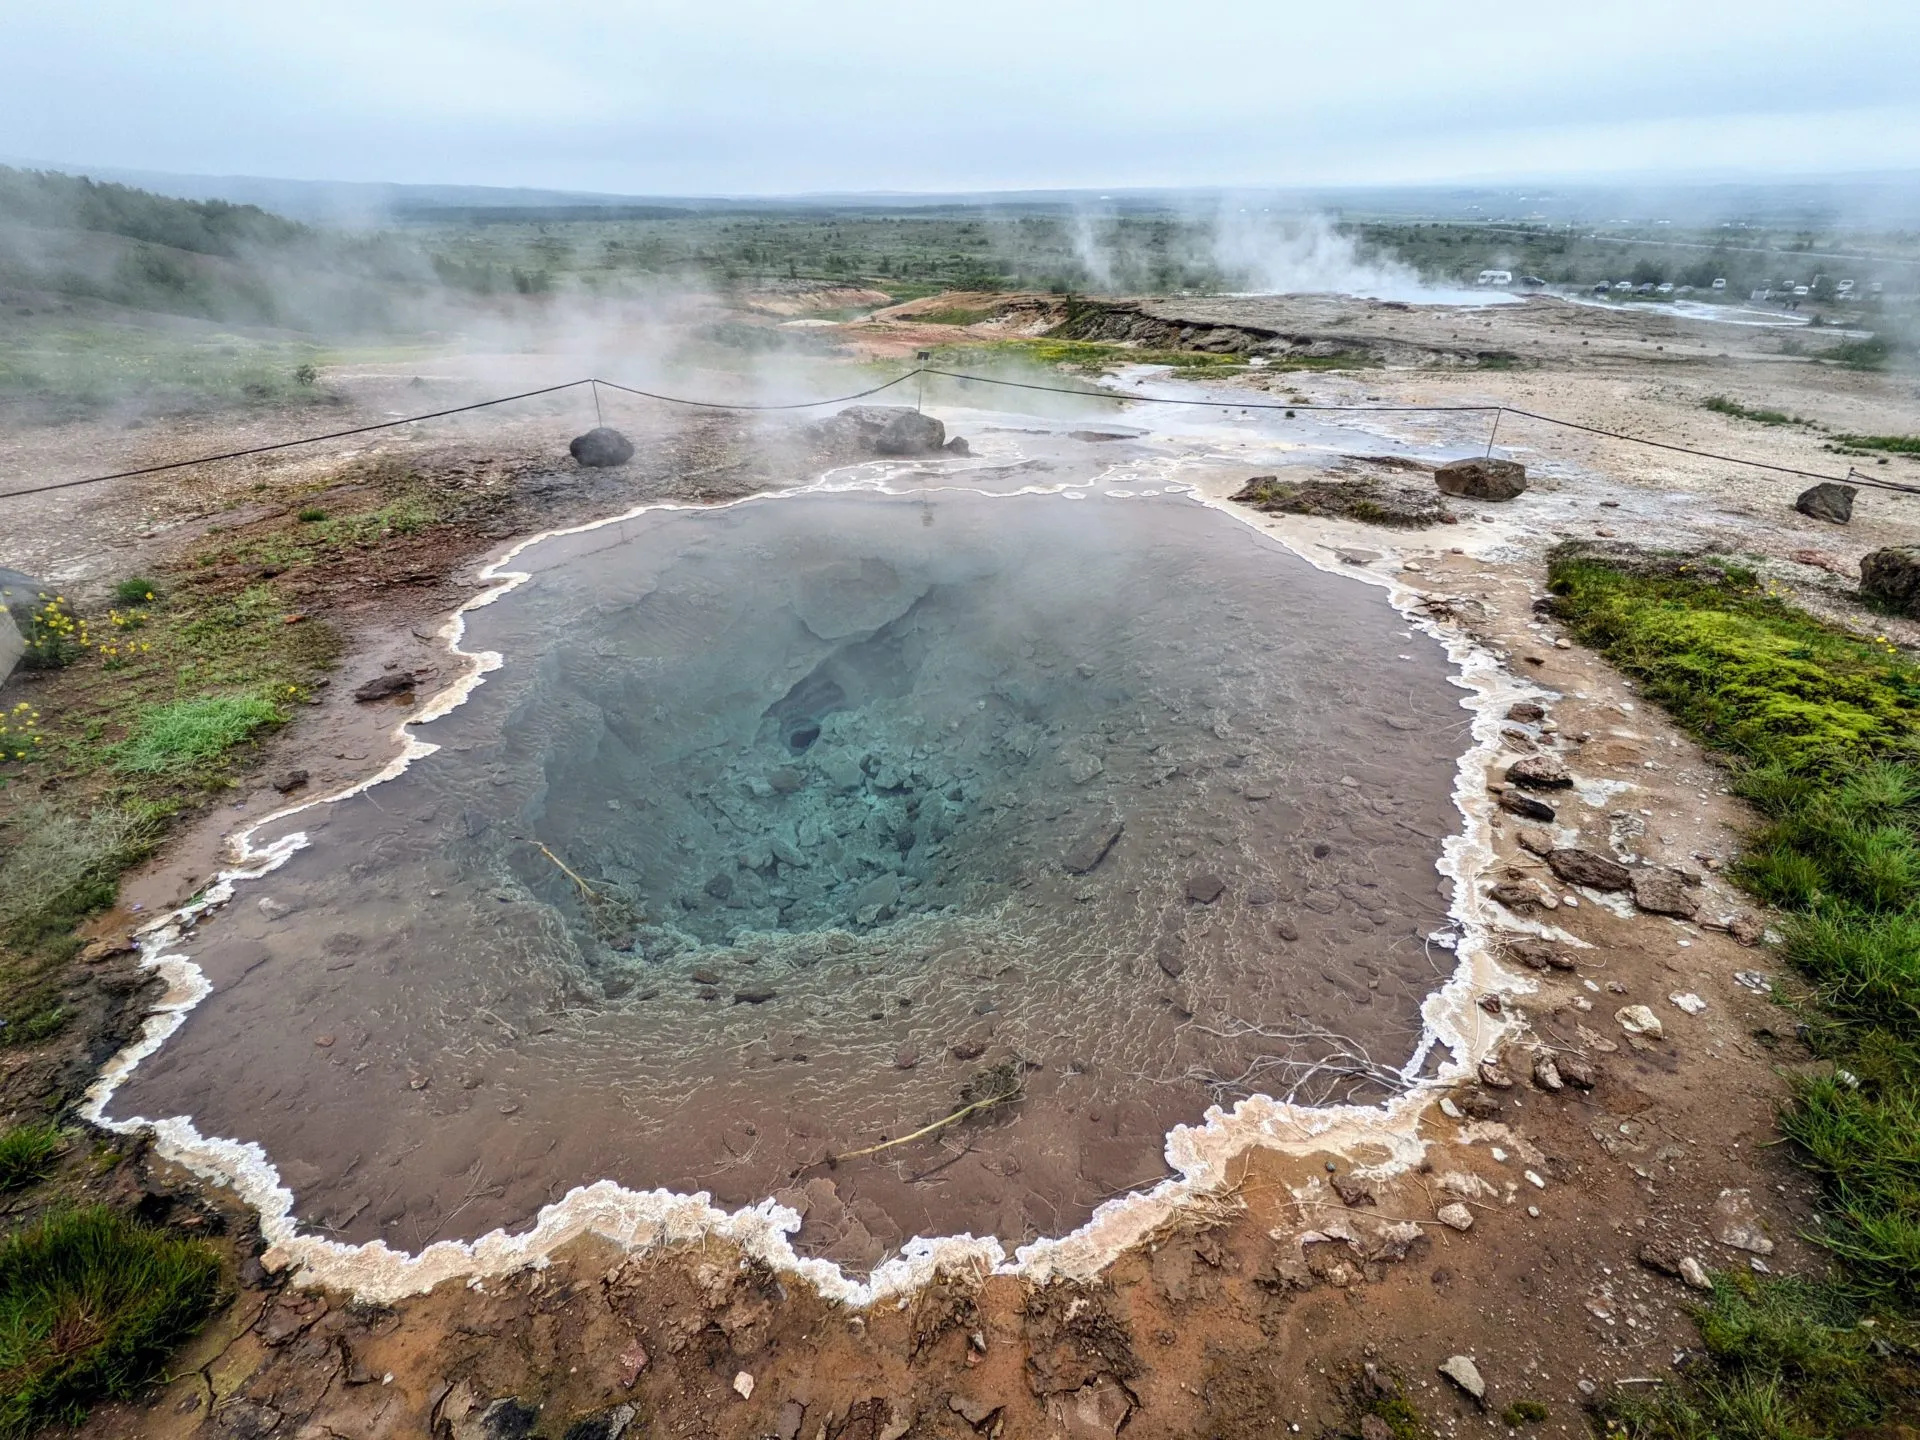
[(786, 829)]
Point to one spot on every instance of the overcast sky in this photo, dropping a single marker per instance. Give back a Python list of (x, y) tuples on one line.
[(783, 96)]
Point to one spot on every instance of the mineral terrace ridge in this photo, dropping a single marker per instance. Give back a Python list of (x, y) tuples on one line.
[(1537, 1205)]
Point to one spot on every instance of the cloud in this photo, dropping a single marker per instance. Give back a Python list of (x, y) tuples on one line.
[(755, 96)]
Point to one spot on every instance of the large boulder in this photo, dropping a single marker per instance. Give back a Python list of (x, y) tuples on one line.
[(885, 430), (11, 645), (1829, 500), (19, 597), (1892, 576), (601, 447), (1482, 478)]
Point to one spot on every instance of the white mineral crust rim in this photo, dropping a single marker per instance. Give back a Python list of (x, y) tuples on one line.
[(1386, 1135)]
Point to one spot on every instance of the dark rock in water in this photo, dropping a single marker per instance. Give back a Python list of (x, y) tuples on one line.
[(885, 430), (1585, 867), (704, 977), (905, 1058), (1286, 930), (1205, 889), (385, 687), (754, 995), (1829, 500), (1540, 772), (1168, 958), (1515, 802), (1482, 479), (291, 781), (958, 446), (1091, 848), (1892, 576), (601, 447), (1663, 892), (969, 1050), (1526, 712), (720, 886)]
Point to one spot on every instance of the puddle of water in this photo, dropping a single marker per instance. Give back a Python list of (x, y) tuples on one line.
[(783, 825)]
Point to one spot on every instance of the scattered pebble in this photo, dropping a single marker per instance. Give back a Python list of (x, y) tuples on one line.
[(1456, 1216), (743, 1385), (1686, 1000)]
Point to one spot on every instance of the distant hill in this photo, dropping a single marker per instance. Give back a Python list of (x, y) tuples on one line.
[(75, 237)]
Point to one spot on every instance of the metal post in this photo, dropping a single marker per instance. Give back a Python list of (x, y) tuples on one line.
[(596, 402), (1495, 431)]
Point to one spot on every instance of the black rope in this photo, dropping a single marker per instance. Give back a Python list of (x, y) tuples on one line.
[(439, 414), (1852, 477)]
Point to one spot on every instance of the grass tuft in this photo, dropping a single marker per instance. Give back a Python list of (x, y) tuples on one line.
[(169, 739), (91, 1303), (27, 1154)]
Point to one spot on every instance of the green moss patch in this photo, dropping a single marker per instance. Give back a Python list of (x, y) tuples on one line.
[(1819, 726)]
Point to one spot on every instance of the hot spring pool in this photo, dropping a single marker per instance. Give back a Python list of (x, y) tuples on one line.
[(786, 828)]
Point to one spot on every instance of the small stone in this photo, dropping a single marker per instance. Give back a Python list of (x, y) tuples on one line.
[(1686, 1000), (1546, 1074), (1639, 1020), (754, 995), (1540, 772), (1576, 1070), (1495, 1076), (1589, 868), (1694, 1273), (1737, 1223), (1477, 1104), (1372, 1427), (743, 1385), (1491, 1003), (1526, 806), (1747, 929), (792, 1416), (289, 781), (1204, 889), (1352, 1192), (1092, 847), (1521, 895), (1663, 1258), (1286, 930), (905, 1058), (325, 1042), (1167, 957), (274, 909), (385, 687), (968, 1050), (419, 1082), (1526, 712), (1540, 842), (1464, 1373), (1663, 892)]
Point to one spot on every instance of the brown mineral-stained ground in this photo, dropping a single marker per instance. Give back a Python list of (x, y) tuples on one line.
[(1229, 1325)]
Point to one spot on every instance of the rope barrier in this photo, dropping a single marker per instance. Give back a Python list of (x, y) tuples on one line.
[(440, 414), (1852, 477)]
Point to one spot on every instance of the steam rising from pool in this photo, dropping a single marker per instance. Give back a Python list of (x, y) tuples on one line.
[(788, 828)]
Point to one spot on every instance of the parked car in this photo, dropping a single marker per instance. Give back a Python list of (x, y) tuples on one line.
[(1720, 284)]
